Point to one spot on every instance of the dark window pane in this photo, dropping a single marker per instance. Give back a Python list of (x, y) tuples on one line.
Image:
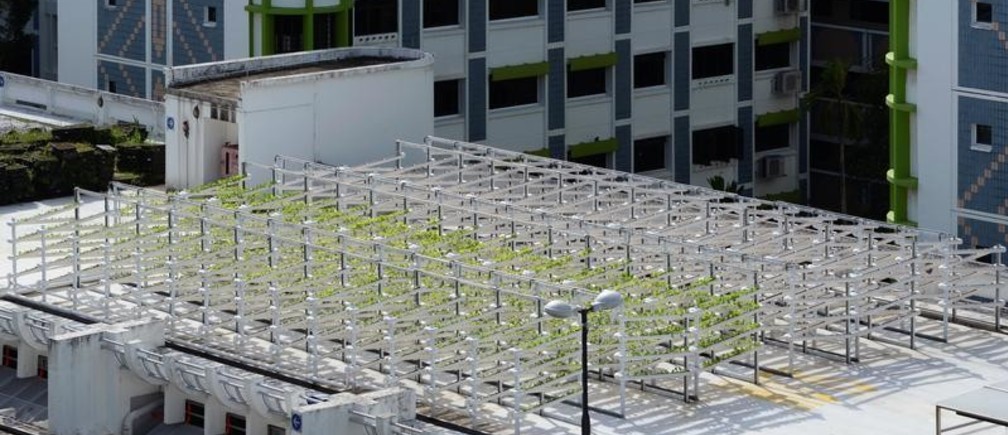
[(586, 82), (288, 33), (597, 160), (824, 155), (713, 61), (504, 9), (439, 13), (716, 144), (194, 413), (446, 97), (234, 424), (984, 12), (647, 1), (773, 137), (514, 92), (872, 11), (649, 154), (984, 134), (211, 15), (773, 56), (577, 5), (649, 70), (325, 31), (373, 17)]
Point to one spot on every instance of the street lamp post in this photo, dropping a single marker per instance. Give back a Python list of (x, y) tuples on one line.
[(606, 300)]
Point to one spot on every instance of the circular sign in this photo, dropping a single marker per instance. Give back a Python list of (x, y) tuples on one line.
[(296, 422), (171, 123)]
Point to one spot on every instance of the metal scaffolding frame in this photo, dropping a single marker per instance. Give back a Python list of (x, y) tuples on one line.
[(431, 268)]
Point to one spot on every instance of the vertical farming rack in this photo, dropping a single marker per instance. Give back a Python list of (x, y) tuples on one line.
[(431, 268)]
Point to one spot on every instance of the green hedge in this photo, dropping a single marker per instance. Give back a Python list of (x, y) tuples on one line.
[(37, 163), (15, 183), (54, 171), (144, 164)]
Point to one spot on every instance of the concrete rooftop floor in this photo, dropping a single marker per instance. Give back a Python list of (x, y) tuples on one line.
[(893, 390)]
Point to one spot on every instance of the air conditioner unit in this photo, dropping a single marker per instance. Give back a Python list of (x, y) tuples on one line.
[(784, 7), (787, 82), (770, 167)]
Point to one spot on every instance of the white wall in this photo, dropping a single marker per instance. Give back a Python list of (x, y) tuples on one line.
[(81, 104), (78, 42), (348, 119), (236, 36), (933, 160)]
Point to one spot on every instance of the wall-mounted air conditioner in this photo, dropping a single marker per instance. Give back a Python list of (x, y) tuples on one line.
[(787, 82), (784, 7), (770, 167)]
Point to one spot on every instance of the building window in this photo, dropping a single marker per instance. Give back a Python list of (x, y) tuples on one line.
[(234, 424), (210, 16), (871, 11), (983, 138), (514, 92), (586, 82), (447, 99), (43, 367), (275, 430), (773, 137), (505, 9), (10, 355), (440, 13), (374, 17), (773, 56), (647, 1), (194, 413), (713, 61), (288, 33), (719, 144), (110, 3), (580, 5), (649, 70), (325, 31), (649, 154), (983, 15), (596, 160)]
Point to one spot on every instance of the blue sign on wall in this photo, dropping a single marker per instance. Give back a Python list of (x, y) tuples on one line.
[(296, 422), (171, 123)]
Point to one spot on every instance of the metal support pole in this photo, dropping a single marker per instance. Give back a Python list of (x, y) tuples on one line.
[(585, 418), (998, 304)]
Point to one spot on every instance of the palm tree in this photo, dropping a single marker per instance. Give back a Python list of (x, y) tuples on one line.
[(835, 103)]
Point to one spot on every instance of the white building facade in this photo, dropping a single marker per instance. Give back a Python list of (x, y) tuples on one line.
[(950, 118), (680, 89)]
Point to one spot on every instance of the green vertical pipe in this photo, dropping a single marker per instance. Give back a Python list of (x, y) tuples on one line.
[(308, 35), (343, 28), (251, 29), (899, 137), (268, 37)]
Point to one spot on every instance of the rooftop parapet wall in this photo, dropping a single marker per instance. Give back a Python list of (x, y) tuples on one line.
[(80, 103), (179, 77)]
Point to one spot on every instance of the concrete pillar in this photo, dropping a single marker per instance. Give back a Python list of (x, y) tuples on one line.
[(174, 405), (214, 415), (27, 362), (89, 391), (325, 418)]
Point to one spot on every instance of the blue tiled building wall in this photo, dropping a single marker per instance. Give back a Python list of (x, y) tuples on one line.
[(122, 30), (193, 42), (978, 233), (983, 176), (983, 58), (129, 80)]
